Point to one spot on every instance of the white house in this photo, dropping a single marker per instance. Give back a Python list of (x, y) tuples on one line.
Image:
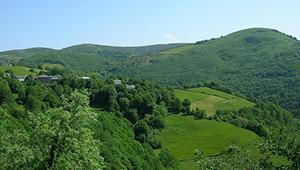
[(130, 86), (117, 82), (21, 78)]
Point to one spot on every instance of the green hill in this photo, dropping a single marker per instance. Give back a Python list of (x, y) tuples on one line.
[(211, 100), (183, 135), (84, 57), (13, 56), (258, 63)]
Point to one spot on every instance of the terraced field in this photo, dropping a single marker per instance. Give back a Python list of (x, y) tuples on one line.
[(211, 100), (183, 135)]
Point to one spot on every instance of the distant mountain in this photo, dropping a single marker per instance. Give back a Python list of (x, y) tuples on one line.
[(259, 63), (13, 56), (84, 57)]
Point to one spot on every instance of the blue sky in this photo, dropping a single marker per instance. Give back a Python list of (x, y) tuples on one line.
[(61, 23)]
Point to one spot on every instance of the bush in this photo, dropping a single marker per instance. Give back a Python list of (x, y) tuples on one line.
[(167, 159), (199, 114)]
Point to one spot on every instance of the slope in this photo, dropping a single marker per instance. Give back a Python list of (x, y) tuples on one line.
[(259, 63), (84, 57), (211, 100), (183, 135)]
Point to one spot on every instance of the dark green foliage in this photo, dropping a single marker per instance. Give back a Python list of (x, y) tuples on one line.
[(168, 160), (186, 106), (141, 130), (199, 114), (57, 139), (6, 97), (119, 149), (56, 115), (176, 106), (260, 119)]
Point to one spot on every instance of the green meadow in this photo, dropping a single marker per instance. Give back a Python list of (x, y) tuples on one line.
[(211, 100), (46, 66), (183, 135), (19, 70)]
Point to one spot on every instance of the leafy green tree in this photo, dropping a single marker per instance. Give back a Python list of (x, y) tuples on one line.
[(186, 106), (33, 103), (68, 142), (199, 114), (168, 160), (124, 103), (176, 106), (141, 130), (6, 98), (132, 115), (15, 147)]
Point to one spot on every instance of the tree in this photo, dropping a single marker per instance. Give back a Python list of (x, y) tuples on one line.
[(176, 106), (124, 103), (186, 106), (167, 159), (132, 115), (15, 149), (5, 93), (68, 141), (6, 98), (199, 114), (141, 130)]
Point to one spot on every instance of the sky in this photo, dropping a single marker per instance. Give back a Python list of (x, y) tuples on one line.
[(62, 23)]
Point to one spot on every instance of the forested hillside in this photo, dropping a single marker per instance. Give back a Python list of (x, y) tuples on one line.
[(259, 63), (84, 57), (91, 122)]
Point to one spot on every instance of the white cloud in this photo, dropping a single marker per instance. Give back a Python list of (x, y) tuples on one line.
[(171, 38)]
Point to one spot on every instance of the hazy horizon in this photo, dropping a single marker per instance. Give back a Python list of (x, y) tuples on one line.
[(59, 24)]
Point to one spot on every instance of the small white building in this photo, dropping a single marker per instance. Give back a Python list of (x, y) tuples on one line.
[(130, 86), (117, 82), (21, 78), (85, 78)]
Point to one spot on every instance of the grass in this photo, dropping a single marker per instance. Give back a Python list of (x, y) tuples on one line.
[(46, 66), (19, 70), (183, 135), (211, 100)]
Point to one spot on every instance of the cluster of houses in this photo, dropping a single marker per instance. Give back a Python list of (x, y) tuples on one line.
[(48, 80), (128, 86)]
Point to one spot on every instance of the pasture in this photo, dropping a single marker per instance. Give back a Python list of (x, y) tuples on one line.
[(19, 70), (211, 100), (183, 135)]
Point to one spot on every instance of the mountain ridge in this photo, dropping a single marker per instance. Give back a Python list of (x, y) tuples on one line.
[(259, 63)]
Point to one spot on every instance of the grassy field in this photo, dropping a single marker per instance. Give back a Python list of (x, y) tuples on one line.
[(45, 66), (183, 134), (211, 100), (19, 70)]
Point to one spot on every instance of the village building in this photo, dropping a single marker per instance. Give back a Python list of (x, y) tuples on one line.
[(48, 80), (117, 82), (130, 86), (85, 78), (21, 78)]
